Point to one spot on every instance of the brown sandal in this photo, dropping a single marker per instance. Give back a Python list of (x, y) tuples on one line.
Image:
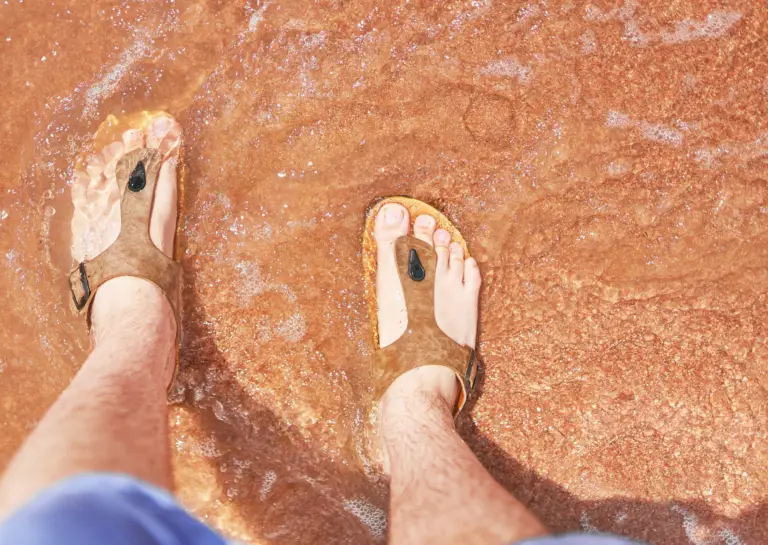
[(423, 343), (133, 253)]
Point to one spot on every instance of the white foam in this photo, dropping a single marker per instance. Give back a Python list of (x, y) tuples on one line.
[(374, 519), (686, 126), (715, 25), (741, 152), (257, 17), (209, 448), (528, 11), (729, 538), (251, 282), (588, 42), (705, 157), (655, 132), (11, 257), (617, 119), (110, 79), (479, 8), (312, 41), (270, 478), (661, 133), (625, 14), (239, 466), (617, 169), (293, 328), (509, 68), (691, 526), (586, 525)]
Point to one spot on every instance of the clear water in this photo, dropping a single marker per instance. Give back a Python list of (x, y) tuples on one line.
[(605, 160)]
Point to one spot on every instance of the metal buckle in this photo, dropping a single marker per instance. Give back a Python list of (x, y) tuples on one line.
[(79, 305)]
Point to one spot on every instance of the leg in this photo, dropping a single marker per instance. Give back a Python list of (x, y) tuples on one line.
[(440, 493), (113, 416)]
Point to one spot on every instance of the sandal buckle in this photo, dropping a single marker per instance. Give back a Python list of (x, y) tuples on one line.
[(80, 304), (471, 374)]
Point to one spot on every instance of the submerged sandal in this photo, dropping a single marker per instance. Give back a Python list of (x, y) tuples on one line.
[(133, 253), (423, 342)]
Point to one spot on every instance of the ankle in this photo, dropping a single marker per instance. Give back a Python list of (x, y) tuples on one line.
[(423, 388), (412, 422), (134, 308), (420, 399)]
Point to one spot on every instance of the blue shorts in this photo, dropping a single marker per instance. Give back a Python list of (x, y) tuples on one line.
[(94, 509)]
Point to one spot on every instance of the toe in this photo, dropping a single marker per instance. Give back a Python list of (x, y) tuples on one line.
[(171, 141), (424, 228), (133, 140), (472, 278), (162, 227), (391, 223), (95, 166), (111, 154), (442, 241), (456, 260), (158, 129), (79, 189)]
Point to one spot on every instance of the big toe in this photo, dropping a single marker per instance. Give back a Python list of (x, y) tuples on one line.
[(158, 128), (391, 223), (164, 135)]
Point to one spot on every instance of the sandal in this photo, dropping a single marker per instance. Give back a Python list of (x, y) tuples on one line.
[(133, 253), (423, 342)]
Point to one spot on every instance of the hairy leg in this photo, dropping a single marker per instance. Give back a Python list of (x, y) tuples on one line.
[(113, 416), (440, 493)]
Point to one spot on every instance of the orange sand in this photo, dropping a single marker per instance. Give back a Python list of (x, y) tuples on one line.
[(606, 161)]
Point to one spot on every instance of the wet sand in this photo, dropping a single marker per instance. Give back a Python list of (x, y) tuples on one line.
[(606, 161)]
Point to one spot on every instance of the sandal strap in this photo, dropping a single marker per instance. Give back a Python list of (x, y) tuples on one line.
[(423, 342), (133, 253)]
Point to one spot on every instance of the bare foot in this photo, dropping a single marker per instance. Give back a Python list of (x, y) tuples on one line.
[(457, 293), (96, 224)]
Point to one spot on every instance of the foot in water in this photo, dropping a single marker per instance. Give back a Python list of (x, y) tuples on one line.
[(96, 224), (457, 293)]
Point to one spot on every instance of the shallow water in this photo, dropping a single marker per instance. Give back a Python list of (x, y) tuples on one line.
[(605, 160)]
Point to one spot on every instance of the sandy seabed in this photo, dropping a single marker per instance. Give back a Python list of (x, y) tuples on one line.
[(606, 161)]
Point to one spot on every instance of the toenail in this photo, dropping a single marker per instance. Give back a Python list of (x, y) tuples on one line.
[(393, 215), (443, 237), (455, 248), (162, 124), (425, 221)]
